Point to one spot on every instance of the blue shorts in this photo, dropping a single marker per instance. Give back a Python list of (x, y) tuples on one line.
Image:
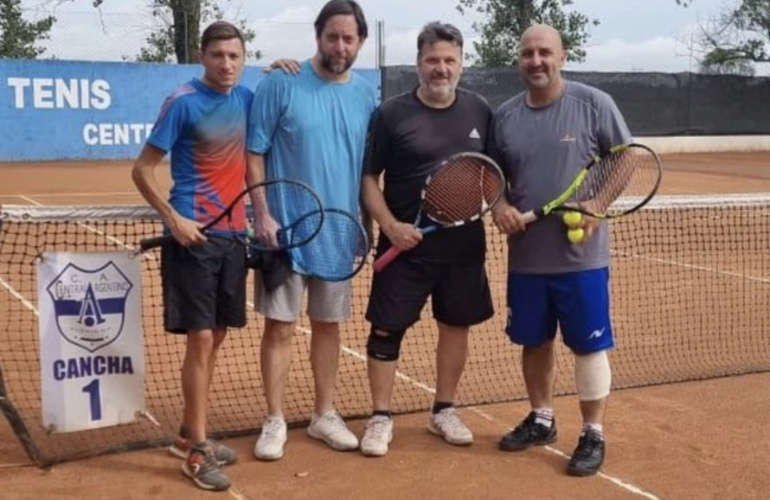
[(579, 303)]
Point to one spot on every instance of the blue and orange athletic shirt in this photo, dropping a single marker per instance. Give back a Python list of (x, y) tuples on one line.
[(205, 132)]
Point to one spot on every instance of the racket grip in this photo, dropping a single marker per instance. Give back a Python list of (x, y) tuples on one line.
[(150, 243), (529, 217), (385, 259)]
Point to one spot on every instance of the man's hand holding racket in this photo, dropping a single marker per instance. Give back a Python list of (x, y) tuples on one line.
[(460, 190), (632, 171), (507, 219), (185, 231), (265, 228), (402, 235), (298, 206)]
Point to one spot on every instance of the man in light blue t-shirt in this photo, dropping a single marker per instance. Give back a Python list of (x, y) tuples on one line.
[(311, 127), (542, 137)]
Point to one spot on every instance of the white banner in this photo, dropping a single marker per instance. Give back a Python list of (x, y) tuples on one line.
[(91, 340)]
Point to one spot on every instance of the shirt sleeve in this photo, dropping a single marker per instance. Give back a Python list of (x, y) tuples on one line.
[(170, 124), (612, 128), (267, 107), (492, 148), (377, 144)]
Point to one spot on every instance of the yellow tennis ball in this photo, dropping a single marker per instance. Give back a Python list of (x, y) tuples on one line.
[(572, 218), (576, 235)]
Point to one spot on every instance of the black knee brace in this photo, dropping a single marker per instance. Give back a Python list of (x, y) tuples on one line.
[(384, 345)]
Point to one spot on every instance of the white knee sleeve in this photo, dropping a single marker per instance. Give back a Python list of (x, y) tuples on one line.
[(593, 376)]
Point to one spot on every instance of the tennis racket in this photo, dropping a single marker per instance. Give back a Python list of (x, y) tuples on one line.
[(296, 208), (615, 184), (339, 250), (460, 190)]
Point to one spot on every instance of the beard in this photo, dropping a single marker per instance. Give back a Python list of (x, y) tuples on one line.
[(336, 65), (440, 88)]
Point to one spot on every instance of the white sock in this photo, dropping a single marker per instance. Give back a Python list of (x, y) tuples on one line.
[(597, 429), (544, 416)]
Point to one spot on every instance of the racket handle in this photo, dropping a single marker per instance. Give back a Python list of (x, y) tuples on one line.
[(385, 259), (529, 217), (150, 243)]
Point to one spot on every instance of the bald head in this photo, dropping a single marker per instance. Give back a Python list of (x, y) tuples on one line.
[(541, 57), (543, 34)]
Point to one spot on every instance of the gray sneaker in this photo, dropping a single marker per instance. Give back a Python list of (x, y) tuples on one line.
[(201, 466), (224, 454)]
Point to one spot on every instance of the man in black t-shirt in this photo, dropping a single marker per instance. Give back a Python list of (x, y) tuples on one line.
[(410, 134)]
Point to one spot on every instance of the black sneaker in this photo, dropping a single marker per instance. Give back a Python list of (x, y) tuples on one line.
[(528, 433), (588, 456)]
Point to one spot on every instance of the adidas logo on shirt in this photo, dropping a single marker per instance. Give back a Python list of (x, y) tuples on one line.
[(474, 134)]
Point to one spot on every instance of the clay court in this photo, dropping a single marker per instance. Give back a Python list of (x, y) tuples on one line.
[(703, 313)]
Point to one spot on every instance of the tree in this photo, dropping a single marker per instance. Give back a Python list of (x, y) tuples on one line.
[(178, 28), (17, 36), (722, 62), (736, 39), (506, 20)]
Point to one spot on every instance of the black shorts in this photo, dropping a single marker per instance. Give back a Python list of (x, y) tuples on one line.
[(204, 286), (460, 294)]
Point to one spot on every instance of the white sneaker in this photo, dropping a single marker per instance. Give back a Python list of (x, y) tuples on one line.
[(331, 429), (448, 425), (377, 436), (270, 443)]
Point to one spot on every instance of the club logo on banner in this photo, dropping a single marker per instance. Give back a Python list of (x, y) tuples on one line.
[(90, 305), (91, 340)]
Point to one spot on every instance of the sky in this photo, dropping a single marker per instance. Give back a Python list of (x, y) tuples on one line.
[(640, 35)]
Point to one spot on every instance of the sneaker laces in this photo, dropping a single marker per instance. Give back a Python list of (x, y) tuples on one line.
[(334, 421), (448, 420), (529, 426), (209, 460), (586, 445), (272, 428), (378, 427)]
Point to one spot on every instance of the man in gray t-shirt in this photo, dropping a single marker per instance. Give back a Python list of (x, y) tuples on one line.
[(542, 137)]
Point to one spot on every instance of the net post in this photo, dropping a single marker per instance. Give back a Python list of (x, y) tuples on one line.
[(18, 426)]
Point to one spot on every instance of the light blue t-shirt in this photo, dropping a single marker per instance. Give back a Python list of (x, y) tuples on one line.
[(313, 130)]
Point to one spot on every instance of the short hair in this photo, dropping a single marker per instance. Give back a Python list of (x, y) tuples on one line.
[(341, 8), (438, 32), (220, 30)]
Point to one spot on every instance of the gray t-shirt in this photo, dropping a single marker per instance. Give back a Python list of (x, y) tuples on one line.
[(541, 150)]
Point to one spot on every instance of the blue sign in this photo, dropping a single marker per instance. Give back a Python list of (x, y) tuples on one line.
[(74, 110)]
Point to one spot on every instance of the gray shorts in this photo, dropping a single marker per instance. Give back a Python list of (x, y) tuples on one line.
[(327, 302)]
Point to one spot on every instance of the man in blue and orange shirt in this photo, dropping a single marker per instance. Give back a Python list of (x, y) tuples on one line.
[(202, 124)]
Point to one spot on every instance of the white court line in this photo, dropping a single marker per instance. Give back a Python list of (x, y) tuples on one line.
[(693, 266), (18, 296), (56, 195), (416, 383), (92, 229), (26, 302)]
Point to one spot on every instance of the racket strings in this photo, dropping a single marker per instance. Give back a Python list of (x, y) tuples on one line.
[(624, 174), (338, 250), (461, 190), (294, 207)]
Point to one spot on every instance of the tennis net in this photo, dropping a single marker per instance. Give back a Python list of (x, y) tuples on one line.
[(690, 300)]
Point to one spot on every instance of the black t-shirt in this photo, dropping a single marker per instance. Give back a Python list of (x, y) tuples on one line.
[(407, 140)]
